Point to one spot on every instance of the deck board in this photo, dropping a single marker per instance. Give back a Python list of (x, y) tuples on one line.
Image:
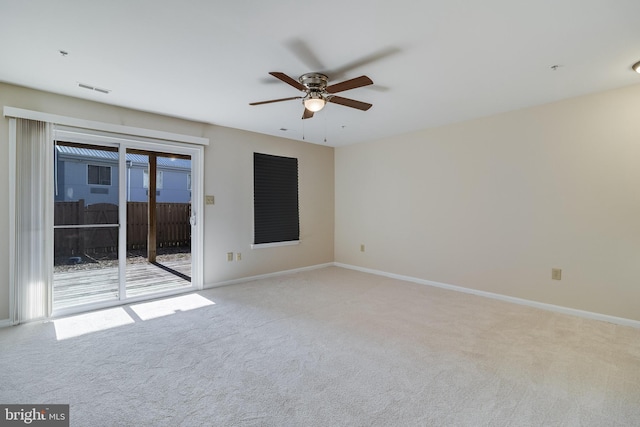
[(72, 288)]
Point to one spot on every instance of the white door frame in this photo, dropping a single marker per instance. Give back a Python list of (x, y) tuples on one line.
[(196, 152)]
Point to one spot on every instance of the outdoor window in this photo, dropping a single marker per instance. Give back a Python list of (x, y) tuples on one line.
[(98, 175), (145, 179), (275, 196)]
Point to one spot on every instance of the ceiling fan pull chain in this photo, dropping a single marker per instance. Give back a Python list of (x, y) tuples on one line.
[(325, 128)]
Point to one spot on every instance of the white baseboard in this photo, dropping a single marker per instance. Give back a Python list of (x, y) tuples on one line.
[(267, 275), (4, 323), (521, 301)]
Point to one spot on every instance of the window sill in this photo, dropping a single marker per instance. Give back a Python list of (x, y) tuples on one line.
[(276, 244)]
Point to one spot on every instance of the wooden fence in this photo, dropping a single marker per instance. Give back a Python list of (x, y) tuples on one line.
[(173, 227)]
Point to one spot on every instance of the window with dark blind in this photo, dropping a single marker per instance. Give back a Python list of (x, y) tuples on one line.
[(275, 199)]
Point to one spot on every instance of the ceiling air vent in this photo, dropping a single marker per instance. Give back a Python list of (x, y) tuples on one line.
[(97, 89)]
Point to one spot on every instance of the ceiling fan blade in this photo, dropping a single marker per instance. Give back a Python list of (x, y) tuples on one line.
[(361, 62), (305, 54), (275, 100), (307, 114), (350, 84), (288, 80), (364, 106)]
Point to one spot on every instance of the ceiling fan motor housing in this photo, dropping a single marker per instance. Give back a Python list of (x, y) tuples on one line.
[(315, 82)]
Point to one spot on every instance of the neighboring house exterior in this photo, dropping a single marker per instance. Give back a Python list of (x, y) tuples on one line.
[(93, 175)]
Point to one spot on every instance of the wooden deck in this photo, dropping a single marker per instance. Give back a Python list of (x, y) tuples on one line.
[(81, 287)]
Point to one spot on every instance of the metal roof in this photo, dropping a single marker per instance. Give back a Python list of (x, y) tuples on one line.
[(88, 154)]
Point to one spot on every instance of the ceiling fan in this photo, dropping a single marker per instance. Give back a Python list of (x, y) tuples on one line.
[(318, 93)]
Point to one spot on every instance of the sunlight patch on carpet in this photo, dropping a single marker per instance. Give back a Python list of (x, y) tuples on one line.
[(168, 306), (87, 323)]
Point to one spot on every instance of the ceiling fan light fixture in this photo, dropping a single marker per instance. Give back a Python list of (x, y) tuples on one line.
[(317, 93), (314, 102), (636, 67)]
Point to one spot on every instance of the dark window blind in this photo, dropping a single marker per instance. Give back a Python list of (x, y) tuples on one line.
[(275, 199)]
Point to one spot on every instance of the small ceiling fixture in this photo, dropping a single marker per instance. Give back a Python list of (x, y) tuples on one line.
[(636, 67)]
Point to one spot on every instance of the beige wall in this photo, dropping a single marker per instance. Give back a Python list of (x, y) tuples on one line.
[(491, 204), (494, 204), (228, 175), (229, 223)]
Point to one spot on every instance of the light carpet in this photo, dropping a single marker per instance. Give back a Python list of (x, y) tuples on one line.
[(328, 347)]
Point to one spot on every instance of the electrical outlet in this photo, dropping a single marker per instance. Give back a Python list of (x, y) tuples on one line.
[(208, 200), (362, 248), (556, 274), (229, 256), (238, 256)]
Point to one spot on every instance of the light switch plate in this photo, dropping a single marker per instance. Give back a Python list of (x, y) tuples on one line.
[(208, 200)]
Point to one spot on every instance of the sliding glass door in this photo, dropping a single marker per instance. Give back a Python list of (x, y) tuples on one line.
[(86, 225), (158, 222), (123, 223)]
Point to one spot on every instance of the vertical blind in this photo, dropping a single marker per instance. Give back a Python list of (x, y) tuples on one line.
[(33, 226), (275, 199)]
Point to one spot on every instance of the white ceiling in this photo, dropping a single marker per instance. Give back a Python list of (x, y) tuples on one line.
[(432, 62)]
